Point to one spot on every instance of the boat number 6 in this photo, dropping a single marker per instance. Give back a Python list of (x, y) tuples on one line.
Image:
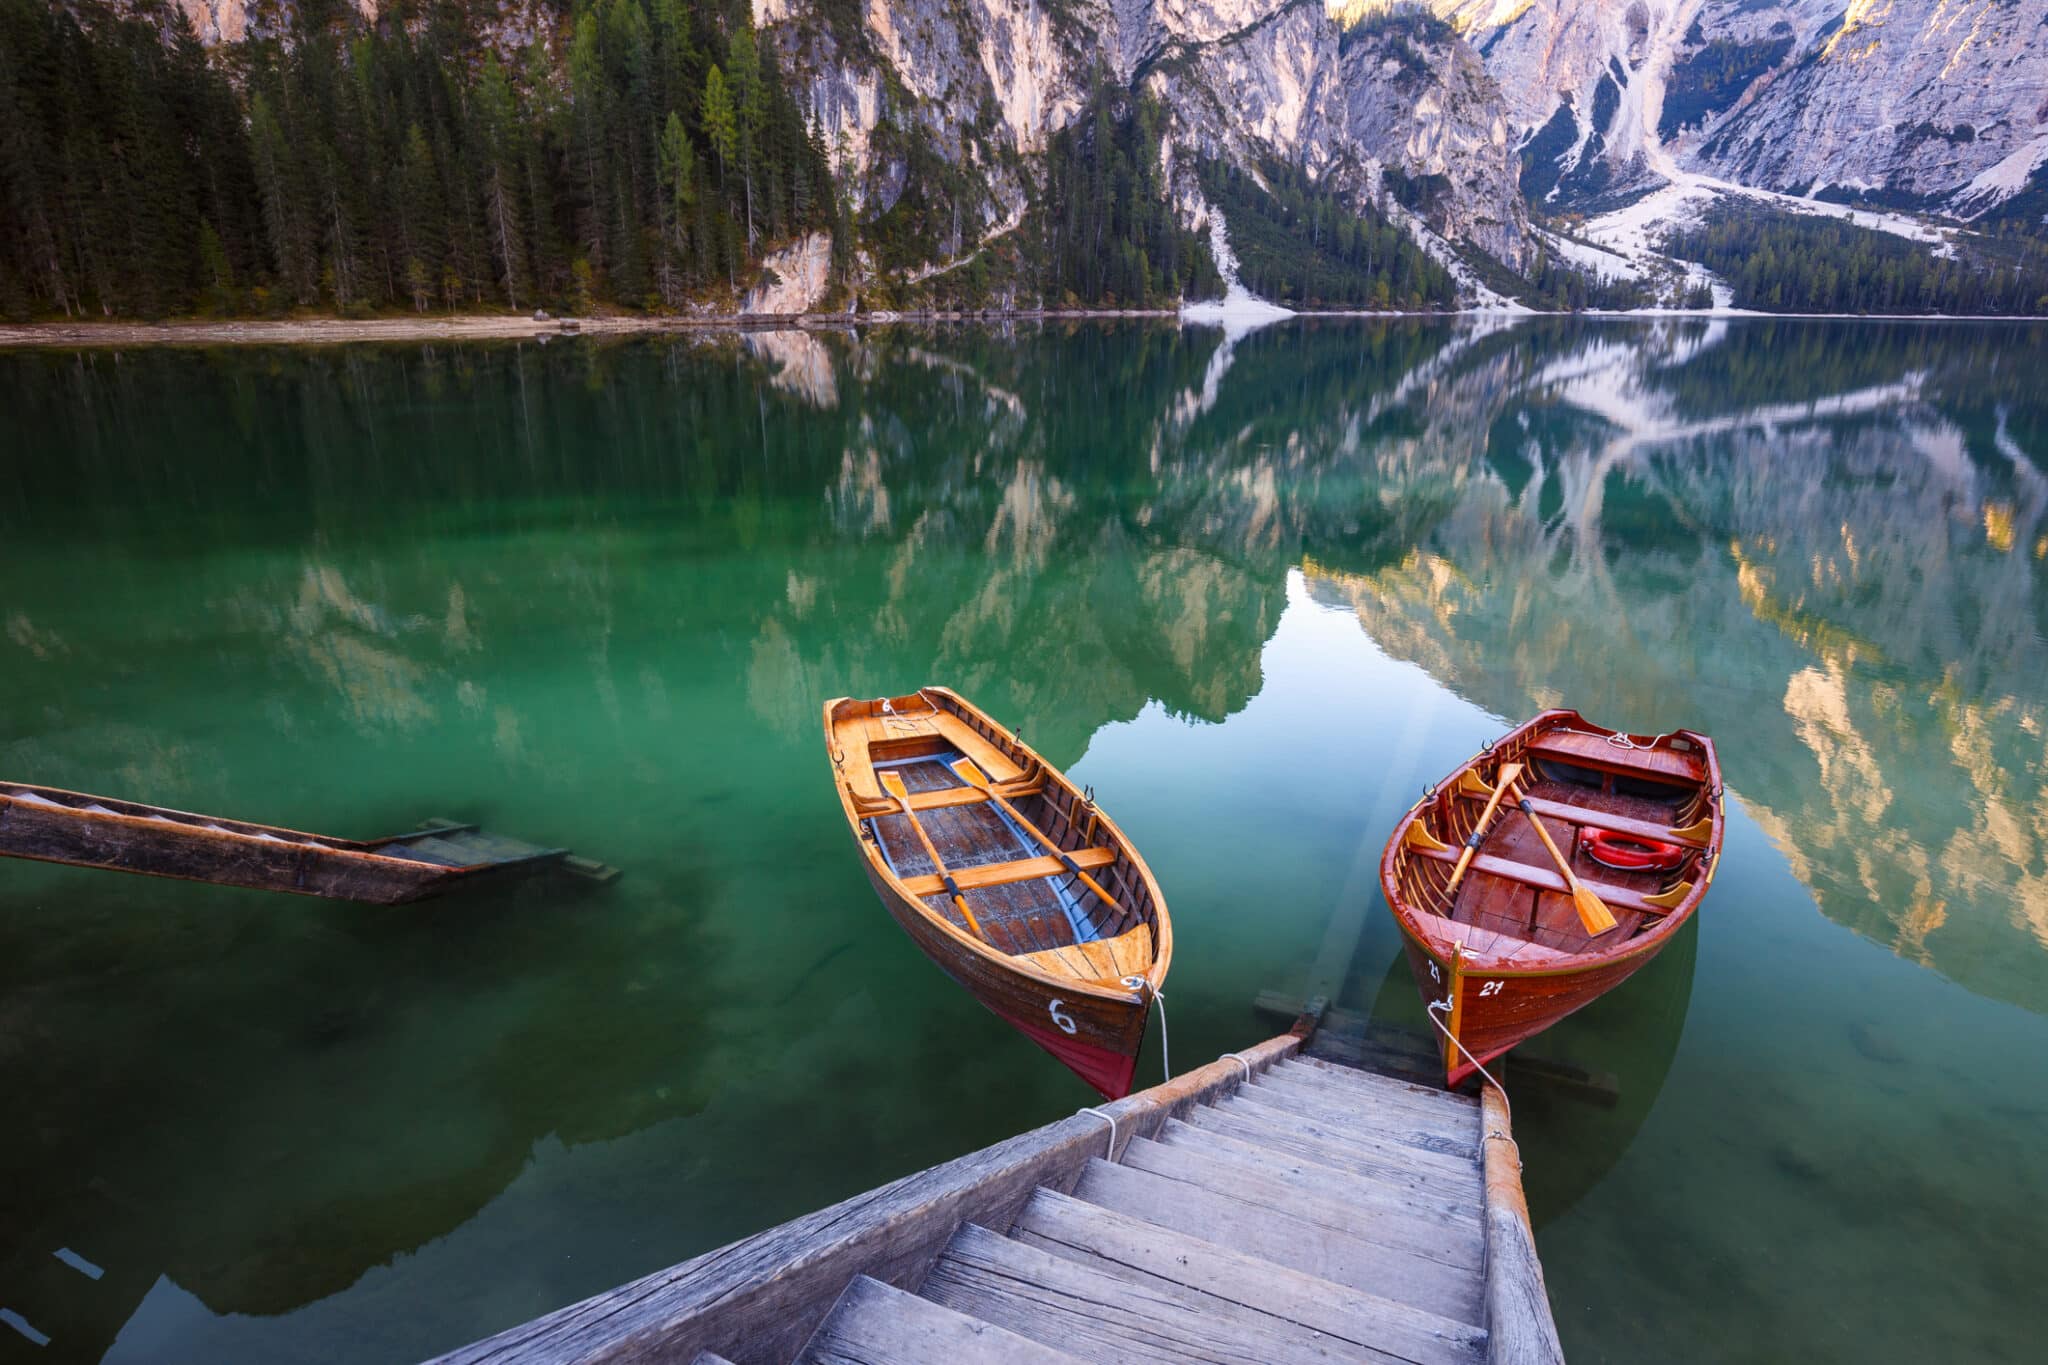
[(1060, 1016)]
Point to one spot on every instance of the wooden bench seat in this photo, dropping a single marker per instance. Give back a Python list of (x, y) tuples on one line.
[(859, 737), (876, 807), (1106, 960), (1600, 819), (1593, 751), (1002, 874), (1544, 879)]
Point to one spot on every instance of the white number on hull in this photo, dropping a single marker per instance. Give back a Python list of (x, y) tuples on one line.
[(1061, 1017)]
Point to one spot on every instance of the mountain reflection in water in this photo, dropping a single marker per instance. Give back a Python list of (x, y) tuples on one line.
[(594, 593)]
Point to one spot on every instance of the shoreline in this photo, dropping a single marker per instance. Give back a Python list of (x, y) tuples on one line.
[(499, 327)]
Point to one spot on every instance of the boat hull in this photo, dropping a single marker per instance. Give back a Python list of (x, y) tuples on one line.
[(1490, 1024), (1497, 950), (1103, 1048), (1095, 1028)]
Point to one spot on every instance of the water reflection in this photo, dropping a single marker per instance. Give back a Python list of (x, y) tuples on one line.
[(595, 593)]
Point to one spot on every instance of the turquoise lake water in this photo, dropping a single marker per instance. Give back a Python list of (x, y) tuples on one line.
[(1256, 590)]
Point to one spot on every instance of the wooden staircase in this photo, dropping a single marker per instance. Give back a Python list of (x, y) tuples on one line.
[(1319, 1213), (1269, 1206)]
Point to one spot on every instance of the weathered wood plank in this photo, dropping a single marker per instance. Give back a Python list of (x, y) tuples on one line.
[(1029, 1291), (1397, 1173), (1348, 1131), (1295, 1193), (1430, 1096), (877, 1324), (1411, 1198), (1521, 1330), (758, 1299), (1413, 1067), (1458, 1118), (1142, 1252), (1401, 1128), (707, 1358), (1284, 1240)]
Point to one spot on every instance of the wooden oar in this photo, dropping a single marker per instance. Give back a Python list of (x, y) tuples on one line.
[(1504, 779), (975, 777), (1593, 912), (894, 782)]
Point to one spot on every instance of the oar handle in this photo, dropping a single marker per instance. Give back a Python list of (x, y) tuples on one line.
[(1503, 779)]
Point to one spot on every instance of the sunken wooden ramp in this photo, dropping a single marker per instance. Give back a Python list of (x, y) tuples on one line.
[(1318, 1214), (1266, 1207)]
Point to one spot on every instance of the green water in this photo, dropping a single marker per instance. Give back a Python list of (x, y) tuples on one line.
[(1256, 592)]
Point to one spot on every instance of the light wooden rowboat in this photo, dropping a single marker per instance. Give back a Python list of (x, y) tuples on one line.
[(1008, 878), (1500, 951)]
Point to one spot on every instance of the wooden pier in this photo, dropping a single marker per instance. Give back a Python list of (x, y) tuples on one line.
[(1275, 1205)]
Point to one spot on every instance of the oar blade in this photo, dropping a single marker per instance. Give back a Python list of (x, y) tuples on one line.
[(1593, 912), (892, 782), (967, 772)]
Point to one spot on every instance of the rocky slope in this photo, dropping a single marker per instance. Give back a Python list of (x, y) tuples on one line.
[(1937, 104)]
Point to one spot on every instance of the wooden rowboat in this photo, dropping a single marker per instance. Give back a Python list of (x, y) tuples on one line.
[(1009, 879), (52, 825), (1500, 945)]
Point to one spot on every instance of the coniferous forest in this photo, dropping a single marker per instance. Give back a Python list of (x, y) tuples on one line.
[(1791, 262), (351, 167)]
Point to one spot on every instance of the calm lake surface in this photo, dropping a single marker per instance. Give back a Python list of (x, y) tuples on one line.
[(1257, 591)]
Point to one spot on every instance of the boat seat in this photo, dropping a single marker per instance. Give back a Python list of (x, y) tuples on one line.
[(1017, 870), (1600, 819), (858, 736), (1543, 879), (1593, 751), (1105, 960), (941, 799)]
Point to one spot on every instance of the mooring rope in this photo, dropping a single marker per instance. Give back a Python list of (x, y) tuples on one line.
[(1142, 986), (1239, 1058), (1445, 1006)]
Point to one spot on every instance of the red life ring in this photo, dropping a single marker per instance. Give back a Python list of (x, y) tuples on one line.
[(1627, 853)]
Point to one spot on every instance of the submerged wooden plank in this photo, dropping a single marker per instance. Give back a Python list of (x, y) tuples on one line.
[(758, 1299), (1395, 1172), (1410, 1198), (1443, 1105), (1270, 1235), (1052, 1299), (1293, 1190), (1380, 1108), (1390, 1085), (1430, 1136), (1348, 1131), (1143, 1252), (877, 1324)]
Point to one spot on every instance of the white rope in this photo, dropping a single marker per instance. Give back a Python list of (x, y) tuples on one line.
[(1107, 1118), (1238, 1057), (1445, 1006), (1141, 985)]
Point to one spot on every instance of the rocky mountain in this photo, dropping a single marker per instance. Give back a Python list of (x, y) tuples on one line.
[(1519, 144)]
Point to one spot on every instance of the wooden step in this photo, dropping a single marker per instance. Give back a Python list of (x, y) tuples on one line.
[(1430, 1201), (709, 1358), (1398, 1170), (1029, 1291), (1352, 1134), (876, 1324), (1391, 1087), (1444, 1139), (1418, 1068), (1145, 1253), (1454, 1243), (1452, 1116), (1296, 1243)]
